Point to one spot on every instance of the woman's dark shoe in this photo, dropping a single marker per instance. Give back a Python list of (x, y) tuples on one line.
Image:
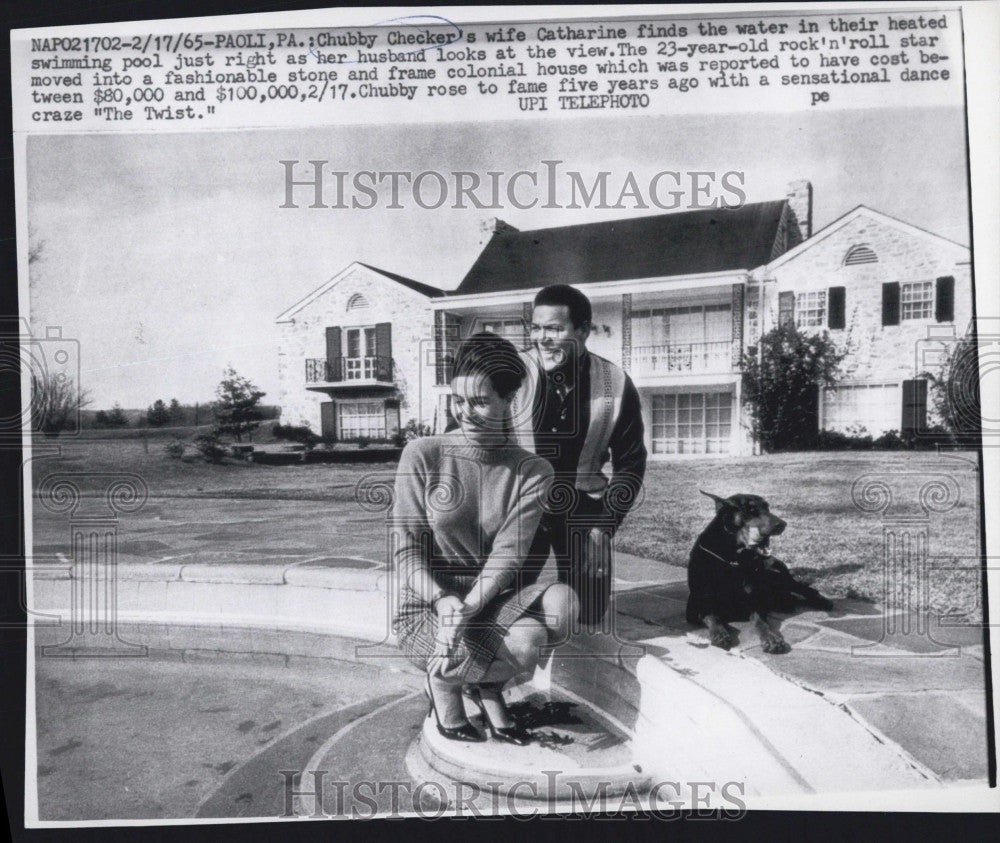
[(516, 735), (463, 732)]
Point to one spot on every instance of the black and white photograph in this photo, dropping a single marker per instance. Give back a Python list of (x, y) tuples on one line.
[(437, 413)]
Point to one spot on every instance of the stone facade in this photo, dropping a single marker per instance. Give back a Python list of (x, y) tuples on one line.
[(877, 353), (303, 337)]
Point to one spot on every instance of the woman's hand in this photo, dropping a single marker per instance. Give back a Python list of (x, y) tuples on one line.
[(453, 616)]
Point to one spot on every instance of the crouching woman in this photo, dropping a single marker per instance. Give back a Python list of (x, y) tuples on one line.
[(467, 506)]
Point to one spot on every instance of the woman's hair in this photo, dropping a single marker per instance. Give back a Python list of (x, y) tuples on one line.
[(487, 354)]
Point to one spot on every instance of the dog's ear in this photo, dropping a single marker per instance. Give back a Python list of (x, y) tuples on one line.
[(719, 502), (732, 518)]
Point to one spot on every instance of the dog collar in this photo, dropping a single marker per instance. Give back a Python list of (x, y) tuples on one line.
[(732, 562)]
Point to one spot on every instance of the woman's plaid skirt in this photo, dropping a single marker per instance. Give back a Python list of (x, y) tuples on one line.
[(416, 626)]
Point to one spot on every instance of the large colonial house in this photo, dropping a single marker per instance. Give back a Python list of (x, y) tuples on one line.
[(677, 299)]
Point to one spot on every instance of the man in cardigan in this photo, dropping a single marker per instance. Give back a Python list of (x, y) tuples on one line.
[(577, 409)]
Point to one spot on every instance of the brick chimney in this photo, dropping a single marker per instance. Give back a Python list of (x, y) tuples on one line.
[(800, 201), (493, 225)]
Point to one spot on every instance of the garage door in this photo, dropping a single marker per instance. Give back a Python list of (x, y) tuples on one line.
[(875, 407)]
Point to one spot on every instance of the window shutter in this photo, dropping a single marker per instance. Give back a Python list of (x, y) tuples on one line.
[(332, 343), (914, 405), (333, 354), (944, 300), (890, 303), (786, 309), (391, 419), (383, 339), (835, 307), (328, 420), (446, 336)]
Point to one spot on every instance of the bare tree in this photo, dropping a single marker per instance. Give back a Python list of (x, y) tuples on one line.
[(55, 403)]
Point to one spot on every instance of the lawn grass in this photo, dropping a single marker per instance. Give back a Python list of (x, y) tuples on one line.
[(829, 541)]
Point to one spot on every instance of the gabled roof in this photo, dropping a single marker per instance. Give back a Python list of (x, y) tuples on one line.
[(871, 213), (415, 286), (682, 243)]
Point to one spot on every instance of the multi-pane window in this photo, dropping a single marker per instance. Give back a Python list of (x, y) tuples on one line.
[(360, 418), (692, 423), (682, 325), (810, 309), (511, 329), (360, 357), (917, 300)]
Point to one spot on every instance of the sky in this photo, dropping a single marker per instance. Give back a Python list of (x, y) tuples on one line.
[(168, 258)]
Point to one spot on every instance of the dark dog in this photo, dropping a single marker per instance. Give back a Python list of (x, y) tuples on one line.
[(732, 575)]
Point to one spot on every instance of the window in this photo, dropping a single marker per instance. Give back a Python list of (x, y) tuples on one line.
[(360, 354), (810, 309), (511, 329), (872, 406), (692, 423), (917, 300), (360, 418), (357, 302), (682, 325), (860, 254)]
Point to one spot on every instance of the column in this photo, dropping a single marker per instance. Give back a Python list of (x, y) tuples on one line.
[(737, 337)]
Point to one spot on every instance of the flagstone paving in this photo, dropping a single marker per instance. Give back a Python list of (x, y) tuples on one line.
[(916, 681)]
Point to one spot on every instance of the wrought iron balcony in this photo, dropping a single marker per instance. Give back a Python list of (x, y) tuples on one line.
[(681, 358), (349, 370)]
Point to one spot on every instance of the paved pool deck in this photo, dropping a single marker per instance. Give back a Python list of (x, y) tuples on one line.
[(914, 682)]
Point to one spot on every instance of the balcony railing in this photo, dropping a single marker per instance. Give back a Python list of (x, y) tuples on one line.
[(349, 370), (679, 358)]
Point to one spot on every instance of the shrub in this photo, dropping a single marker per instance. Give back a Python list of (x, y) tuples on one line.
[(955, 393), (781, 380), (856, 439), (892, 441), (834, 440), (210, 446), (293, 433), (413, 430), (175, 449)]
